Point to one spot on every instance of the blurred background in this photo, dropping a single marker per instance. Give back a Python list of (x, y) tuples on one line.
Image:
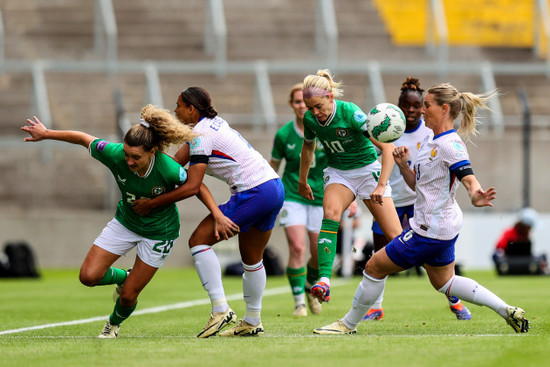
[(92, 64)]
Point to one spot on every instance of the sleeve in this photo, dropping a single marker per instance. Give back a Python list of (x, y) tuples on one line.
[(309, 135), (200, 149), (358, 118), (454, 153), (104, 151), (278, 151)]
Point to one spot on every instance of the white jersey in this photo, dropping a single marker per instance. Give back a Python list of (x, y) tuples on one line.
[(230, 157), (436, 212), (401, 193)]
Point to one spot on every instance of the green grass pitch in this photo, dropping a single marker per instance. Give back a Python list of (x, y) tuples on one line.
[(418, 329)]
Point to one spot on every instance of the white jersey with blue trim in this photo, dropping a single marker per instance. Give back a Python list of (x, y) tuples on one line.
[(401, 193), (230, 157), (436, 212)]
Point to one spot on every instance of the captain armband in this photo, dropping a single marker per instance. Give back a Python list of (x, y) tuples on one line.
[(202, 158), (463, 171)]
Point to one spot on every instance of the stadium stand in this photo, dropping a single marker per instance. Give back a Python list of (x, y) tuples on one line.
[(61, 42)]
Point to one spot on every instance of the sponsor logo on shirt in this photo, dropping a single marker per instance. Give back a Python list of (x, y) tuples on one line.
[(434, 152)]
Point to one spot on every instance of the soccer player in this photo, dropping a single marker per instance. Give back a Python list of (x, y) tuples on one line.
[(442, 163), (410, 102), (301, 218), (141, 169), (353, 170), (257, 196)]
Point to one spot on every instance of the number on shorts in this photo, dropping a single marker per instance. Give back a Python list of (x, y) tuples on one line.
[(163, 247), (407, 236)]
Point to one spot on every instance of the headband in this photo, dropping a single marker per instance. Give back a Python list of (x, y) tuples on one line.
[(309, 92)]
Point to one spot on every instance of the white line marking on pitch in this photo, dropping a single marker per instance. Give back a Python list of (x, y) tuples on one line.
[(198, 302)]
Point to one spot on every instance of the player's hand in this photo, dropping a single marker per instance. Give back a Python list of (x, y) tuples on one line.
[(224, 228), (401, 156), (305, 191), (36, 129), (377, 195), (142, 207), (484, 198)]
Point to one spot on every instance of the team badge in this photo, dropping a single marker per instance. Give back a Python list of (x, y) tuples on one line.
[(342, 133), (157, 190)]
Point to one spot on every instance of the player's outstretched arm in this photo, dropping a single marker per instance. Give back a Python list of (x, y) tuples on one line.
[(478, 196), (38, 132)]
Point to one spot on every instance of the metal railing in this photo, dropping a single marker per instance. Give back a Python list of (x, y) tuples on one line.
[(105, 31), (542, 30), (215, 34), (326, 32), (437, 37)]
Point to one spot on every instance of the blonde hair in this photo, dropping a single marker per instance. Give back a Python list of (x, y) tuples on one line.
[(323, 79), (159, 130), (462, 102), (294, 89)]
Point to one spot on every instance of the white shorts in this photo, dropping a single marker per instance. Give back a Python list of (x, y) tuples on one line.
[(298, 214), (360, 181), (118, 240)]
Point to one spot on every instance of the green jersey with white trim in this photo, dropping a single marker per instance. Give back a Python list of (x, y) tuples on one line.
[(288, 145), (343, 137), (163, 175)]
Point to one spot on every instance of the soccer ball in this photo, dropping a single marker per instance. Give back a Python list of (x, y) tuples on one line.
[(386, 122)]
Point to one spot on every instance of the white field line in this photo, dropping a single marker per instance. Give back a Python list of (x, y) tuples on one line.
[(175, 306)]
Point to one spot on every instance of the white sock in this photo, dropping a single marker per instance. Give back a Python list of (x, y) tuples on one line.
[(254, 280), (378, 303), (469, 290), (325, 280), (367, 293), (300, 299), (210, 274)]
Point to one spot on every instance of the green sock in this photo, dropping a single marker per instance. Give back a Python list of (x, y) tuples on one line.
[(297, 279), (326, 246), (312, 275), (114, 276), (120, 313)]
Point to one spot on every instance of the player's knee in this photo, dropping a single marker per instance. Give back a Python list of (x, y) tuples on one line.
[(87, 278), (296, 251)]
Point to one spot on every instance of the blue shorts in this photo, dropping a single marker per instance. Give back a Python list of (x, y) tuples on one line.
[(410, 249), (257, 207), (404, 213)]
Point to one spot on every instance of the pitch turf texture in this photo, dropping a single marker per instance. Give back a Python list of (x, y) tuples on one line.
[(418, 329)]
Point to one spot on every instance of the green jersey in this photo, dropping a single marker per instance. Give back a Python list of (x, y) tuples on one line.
[(342, 136), (288, 145), (163, 175)]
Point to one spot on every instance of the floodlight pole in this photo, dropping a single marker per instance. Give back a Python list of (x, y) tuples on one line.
[(526, 129)]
